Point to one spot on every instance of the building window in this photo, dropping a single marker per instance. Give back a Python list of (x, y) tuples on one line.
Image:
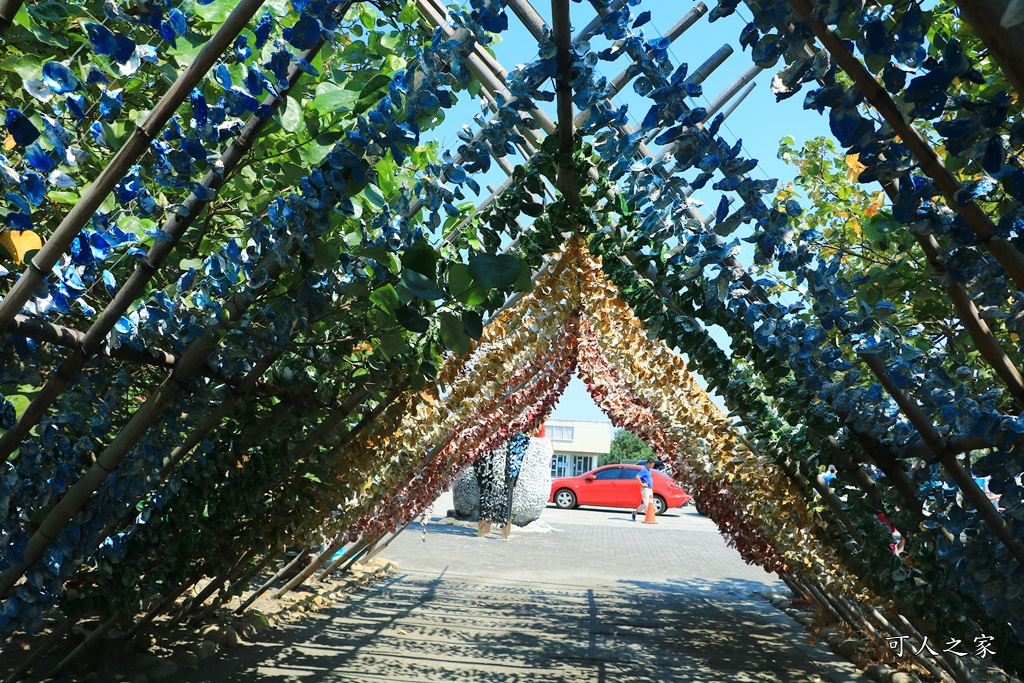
[(560, 465), (560, 433), (580, 464)]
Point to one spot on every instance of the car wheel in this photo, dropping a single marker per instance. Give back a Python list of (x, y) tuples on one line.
[(659, 505), (700, 510), (565, 499)]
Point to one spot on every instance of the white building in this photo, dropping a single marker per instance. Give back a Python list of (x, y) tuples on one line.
[(578, 445)]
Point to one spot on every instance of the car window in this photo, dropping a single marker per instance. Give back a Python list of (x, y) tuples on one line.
[(612, 473), (628, 472)]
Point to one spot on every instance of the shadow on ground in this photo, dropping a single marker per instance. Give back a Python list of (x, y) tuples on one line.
[(426, 626)]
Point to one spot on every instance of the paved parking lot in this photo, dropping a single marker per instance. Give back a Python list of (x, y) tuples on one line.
[(594, 599)]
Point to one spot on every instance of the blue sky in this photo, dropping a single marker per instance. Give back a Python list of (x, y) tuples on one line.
[(759, 121)]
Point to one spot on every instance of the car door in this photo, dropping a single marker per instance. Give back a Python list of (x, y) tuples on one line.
[(602, 489), (629, 488)]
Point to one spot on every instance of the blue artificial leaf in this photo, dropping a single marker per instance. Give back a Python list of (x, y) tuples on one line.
[(17, 221), (110, 104), (95, 76), (223, 76), (76, 105), (178, 22), (60, 78), (102, 40), (110, 282), (39, 159), (38, 89), (304, 33), (495, 22), (33, 188), (159, 235), (262, 30), (306, 68), (242, 50), (147, 53), (62, 180), (21, 129), (642, 19), (98, 134), (19, 202), (995, 155)]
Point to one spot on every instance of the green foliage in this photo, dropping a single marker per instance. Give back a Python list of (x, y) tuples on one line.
[(628, 447)]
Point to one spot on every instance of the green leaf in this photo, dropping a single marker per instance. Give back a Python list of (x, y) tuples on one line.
[(879, 226), (374, 196), (313, 152), (386, 298), (46, 36), (462, 287), (386, 175), (374, 89), (409, 14), (291, 116), (215, 12), (421, 285), (411, 320), (26, 66), (453, 335), (335, 100), (495, 271), (525, 281), (473, 324), (532, 209), (367, 17), (392, 345), (391, 40), (422, 258), (49, 11), (63, 197), (381, 256)]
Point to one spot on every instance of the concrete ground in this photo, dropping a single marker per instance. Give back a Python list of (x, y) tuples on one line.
[(595, 599)]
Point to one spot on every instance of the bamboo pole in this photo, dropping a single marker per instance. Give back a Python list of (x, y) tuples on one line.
[(90, 640), (223, 596), (157, 609), (563, 92), (40, 651), (272, 580), (190, 363), (215, 584), (308, 571), (950, 662), (727, 112), (60, 241), (972, 492), (744, 83), (916, 144), (174, 227), (8, 10), (894, 633)]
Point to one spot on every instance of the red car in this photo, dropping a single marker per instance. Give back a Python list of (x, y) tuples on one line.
[(615, 486)]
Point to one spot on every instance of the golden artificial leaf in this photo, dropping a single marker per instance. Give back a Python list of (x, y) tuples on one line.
[(853, 168), (9, 142), (20, 242)]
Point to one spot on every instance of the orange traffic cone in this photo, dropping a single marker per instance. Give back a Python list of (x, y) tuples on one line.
[(649, 517)]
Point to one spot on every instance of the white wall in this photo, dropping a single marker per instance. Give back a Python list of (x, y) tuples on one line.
[(588, 437)]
